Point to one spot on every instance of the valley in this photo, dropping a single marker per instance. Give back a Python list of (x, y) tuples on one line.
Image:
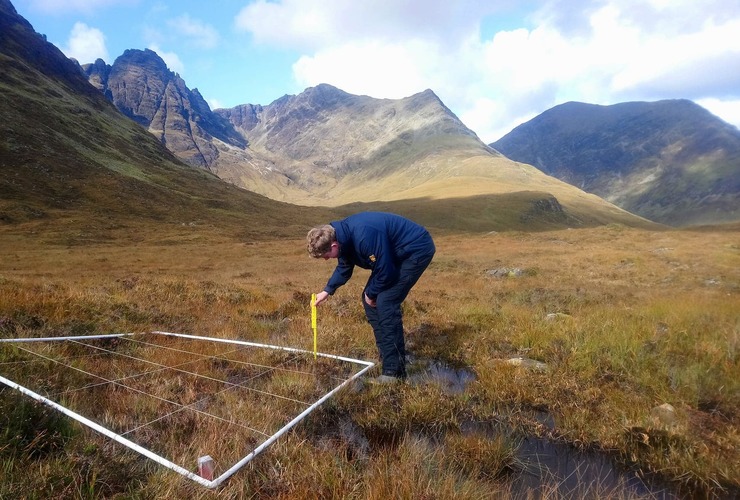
[(575, 324)]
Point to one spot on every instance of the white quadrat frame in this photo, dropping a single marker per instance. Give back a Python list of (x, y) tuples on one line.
[(367, 365)]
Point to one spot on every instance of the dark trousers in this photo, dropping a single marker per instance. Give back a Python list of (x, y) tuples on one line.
[(386, 318)]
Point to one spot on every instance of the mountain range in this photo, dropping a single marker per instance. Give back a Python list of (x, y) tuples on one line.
[(75, 169), (327, 147), (321, 148), (668, 161)]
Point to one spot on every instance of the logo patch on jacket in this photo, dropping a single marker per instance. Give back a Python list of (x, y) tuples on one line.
[(372, 258)]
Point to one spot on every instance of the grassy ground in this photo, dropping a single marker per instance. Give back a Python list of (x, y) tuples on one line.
[(624, 319)]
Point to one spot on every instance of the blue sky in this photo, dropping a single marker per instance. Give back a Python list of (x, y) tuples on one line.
[(494, 63)]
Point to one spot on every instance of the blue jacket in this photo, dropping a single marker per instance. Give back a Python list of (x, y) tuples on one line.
[(380, 242)]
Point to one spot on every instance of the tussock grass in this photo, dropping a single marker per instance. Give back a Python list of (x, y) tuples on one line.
[(624, 320)]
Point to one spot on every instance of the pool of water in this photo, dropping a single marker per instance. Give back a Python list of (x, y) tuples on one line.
[(544, 469), (545, 465), (549, 468), (452, 380)]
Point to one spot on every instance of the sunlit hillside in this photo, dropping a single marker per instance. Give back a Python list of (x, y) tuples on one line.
[(336, 148)]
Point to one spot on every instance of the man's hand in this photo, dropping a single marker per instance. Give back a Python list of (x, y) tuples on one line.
[(369, 301), (320, 297)]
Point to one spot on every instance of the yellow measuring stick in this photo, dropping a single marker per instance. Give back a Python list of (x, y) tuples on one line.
[(313, 322)]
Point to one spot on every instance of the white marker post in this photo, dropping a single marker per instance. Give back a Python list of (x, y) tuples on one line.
[(206, 467)]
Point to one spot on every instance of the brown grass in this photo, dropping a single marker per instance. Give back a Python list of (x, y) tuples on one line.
[(638, 319)]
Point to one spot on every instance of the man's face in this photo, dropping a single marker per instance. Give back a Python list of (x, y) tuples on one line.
[(333, 252)]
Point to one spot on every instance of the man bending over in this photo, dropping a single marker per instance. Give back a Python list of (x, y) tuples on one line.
[(397, 251)]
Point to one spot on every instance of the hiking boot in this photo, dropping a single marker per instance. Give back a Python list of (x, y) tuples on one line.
[(385, 380)]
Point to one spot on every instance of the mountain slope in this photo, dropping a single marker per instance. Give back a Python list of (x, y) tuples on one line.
[(334, 146), (71, 162), (670, 161), (337, 148)]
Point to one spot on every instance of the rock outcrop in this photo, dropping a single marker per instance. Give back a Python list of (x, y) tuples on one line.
[(144, 89)]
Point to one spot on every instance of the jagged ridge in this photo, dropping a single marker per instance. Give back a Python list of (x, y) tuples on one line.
[(144, 89)]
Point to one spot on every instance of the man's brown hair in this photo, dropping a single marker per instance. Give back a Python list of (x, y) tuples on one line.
[(320, 239)]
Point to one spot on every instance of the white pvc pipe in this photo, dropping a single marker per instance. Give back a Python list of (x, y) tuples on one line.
[(161, 460), (281, 348), (109, 433), (78, 337)]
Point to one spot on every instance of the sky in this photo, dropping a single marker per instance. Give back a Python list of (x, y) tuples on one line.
[(494, 63)]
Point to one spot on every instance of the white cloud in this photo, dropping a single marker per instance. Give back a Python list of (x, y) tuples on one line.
[(728, 110), (214, 103), (371, 68), (171, 59), (316, 24), (596, 51), (481, 118), (197, 32), (86, 44), (673, 62)]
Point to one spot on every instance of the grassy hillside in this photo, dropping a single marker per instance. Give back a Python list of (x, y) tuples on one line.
[(74, 166), (471, 185)]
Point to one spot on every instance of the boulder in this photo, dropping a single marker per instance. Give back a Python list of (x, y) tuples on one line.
[(665, 414)]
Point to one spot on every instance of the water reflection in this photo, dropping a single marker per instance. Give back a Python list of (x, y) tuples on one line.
[(451, 380), (557, 469)]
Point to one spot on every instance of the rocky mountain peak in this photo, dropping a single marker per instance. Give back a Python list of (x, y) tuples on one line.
[(323, 95), (137, 82), (97, 74), (145, 60), (323, 120), (143, 88)]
